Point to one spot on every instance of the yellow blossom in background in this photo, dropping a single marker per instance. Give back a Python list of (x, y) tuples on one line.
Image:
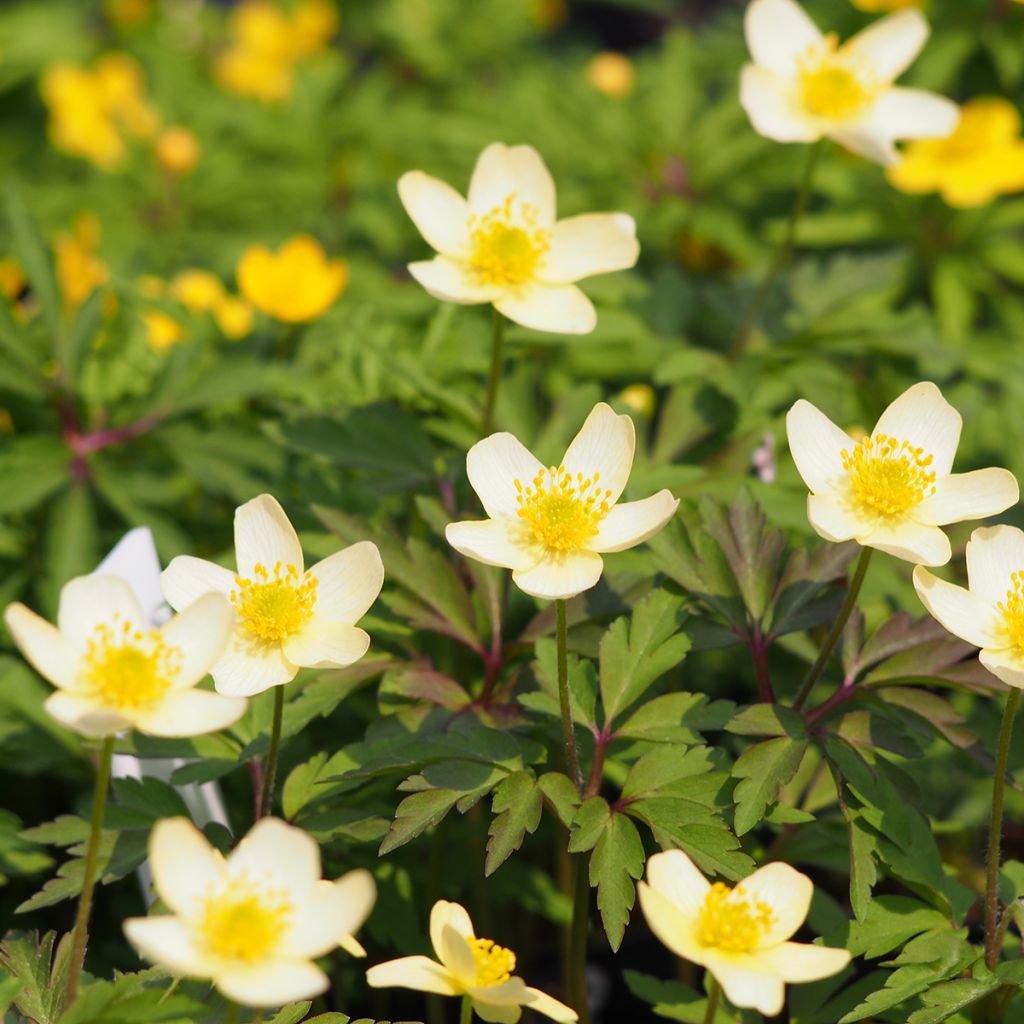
[(876, 6), (313, 23), (12, 278), (982, 159), (252, 922), (197, 290), (641, 398), (611, 73), (741, 935), (79, 270), (295, 284), (162, 330), (234, 317), (177, 151), (127, 13), (468, 966)]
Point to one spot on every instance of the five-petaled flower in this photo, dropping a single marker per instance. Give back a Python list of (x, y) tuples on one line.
[(741, 935), (255, 921), (114, 672), (503, 244), (286, 616), (550, 525), (468, 966), (803, 86), (893, 489)]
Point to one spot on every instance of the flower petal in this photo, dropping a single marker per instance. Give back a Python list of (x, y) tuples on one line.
[(187, 579), (924, 418), (265, 536), (866, 140), (592, 243), (1006, 665), (922, 545), (603, 450), (557, 309), (994, 554), (274, 983), (963, 613), (494, 466), (324, 644), (440, 214), (201, 633), (490, 541), (452, 282), (287, 857), (184, 865), (248, 668), (817, 447), (511, 992), (456, 955), (560, 577), (90, 601), (890, 45), (333, 911), (673, 927), (768, 102), (190, 713), (914, 114), (47, 650), (85, 716), (541, 1002), (502, 171), (416, 972), (800, 961), (786, 891), (166, 941), (348, 582), (833, 519), (673, 875), (633, 522), (745, 986), (778, 33), (977, 495), (492, 1014), (444, 915)]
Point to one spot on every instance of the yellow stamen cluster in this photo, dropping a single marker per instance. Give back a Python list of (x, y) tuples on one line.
[(562, 512), (888, 476), (128, 668), (1013, 612), (832, 84), (731, 922), (274, 606), (494, 964), (241, 920), (507, 245)]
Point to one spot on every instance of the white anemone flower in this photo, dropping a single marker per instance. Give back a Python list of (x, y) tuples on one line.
[(550, 525), (893, 489), (114, 671), (504, 245), (253, 922), (286, 616), (468, 966), (803, 86), (741, 935)]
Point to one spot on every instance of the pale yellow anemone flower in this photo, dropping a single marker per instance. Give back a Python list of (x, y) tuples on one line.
[(803, 86), (255, 921), (503, 244), (287, 617), (893, 489), (468, 966), (741, 934), (114, 672), (550, 525), (990, 612)]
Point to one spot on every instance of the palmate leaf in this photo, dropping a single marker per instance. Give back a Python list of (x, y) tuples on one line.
[(133, 999), (41, 965), (516, 804), (763, 769)]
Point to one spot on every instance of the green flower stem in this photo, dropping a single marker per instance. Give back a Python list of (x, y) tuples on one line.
[(782, 257), (99, 807), (233, 1014), (497, 342), (467, 1010), (837, 628), (275, 750), (714, 991), (996, 832), (578, 939), (572, 758)]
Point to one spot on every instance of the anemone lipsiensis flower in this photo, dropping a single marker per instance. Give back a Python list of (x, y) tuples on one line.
[(252, 922), (471, 967), (803, 86), (286, 616), (114, 672), (741, 935), (503, 244), (550, 525), (893, 489)]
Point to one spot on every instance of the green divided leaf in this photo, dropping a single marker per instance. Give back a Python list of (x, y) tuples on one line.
[(517, 804), (615, 864), (763, 769)]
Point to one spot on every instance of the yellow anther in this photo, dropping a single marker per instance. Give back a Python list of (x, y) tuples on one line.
[(128, 669), (275, 606), (560, 512), (241, 920), (1013, 612), (730, 921), (888, 476), (833, 83), (506, 244), (494, 964)]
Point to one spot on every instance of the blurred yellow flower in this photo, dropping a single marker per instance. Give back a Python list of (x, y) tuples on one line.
[(177, 150), (641, 398), (313, 24), (79, 270), (611, 73), (197, 290), (296, 284), (874, 6), (234, 317), (126, 13), (12, 278), (162, 330), (982, 159)]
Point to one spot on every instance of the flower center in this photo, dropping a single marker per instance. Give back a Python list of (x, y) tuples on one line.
[(1013, 612), (240, 920), (562, 512), (729, 921), (888, 476), (507, 246), (832, 84), (494, 964), (129, 668), (274, 607)]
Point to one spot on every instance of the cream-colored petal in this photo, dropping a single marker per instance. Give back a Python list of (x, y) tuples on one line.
[(248, 668), (440, 214), (333, 912), (509, 993), (924, 418), (674, 928), (201, 632), (768, 101), (746, 987), (541, 1002), (922, 545), (416, 972), (167, 942), (673, 875), (456, 955), (491, 541), (557, 309), (358, 891), (85, 716), (274, 983), (287, 857), (976, 495), (324, 644), (1006, 665), (865, 140), (560, 576), (914, 114), (46, 649), (799, 961), (889, 46), (493, 1014), (90, 601), (502, 171), (778, 33), (633, 522), (190, 713), (963, 613), (786, 891), (817, 447), (833, 518), (348, 582), (187, 579), (592, 243), (604, 445), (450, 281), (265, 536), (494, 466), (184, 864), (352, 946), (994, 554), (447, 914)]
